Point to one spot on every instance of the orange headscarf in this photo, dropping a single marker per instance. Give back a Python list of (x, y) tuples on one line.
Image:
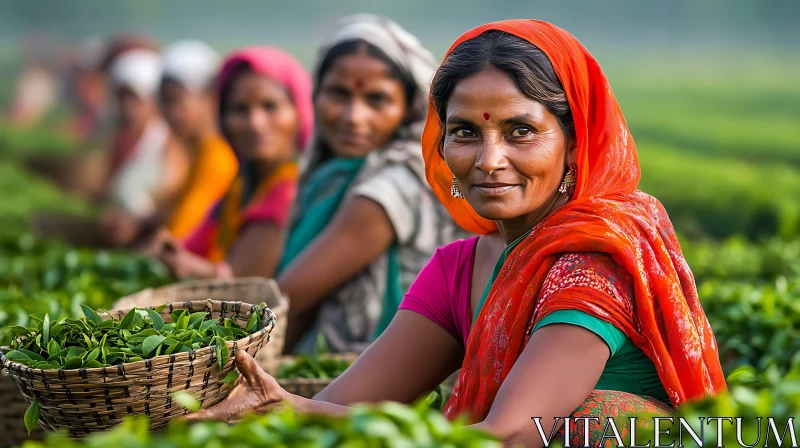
[(606, 214)]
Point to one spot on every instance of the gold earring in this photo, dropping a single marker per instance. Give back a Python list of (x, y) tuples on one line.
[(568, 184), (455, 191)]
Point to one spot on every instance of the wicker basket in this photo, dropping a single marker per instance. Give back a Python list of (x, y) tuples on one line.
[(309, 387), (11, 415), (253, 290), (88, 400)]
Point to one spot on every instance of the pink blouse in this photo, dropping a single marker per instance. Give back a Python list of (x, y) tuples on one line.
[(441, 291)]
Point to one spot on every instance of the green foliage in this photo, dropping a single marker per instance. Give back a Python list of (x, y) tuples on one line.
[(737, 259), (91, 341), (721, 197), (19, 143), (384, 425), (315, 365), (48, 277), (756, 325), (751, 396), (750, 294), (23, 194)]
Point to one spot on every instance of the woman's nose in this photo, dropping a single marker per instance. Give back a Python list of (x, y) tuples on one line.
[(258, 119), (492, 156), (356, 112)]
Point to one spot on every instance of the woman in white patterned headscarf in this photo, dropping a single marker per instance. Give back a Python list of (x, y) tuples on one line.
[(365, 221)]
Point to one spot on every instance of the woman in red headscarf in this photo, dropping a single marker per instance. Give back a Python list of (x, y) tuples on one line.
[(591, 305), (266, 116)]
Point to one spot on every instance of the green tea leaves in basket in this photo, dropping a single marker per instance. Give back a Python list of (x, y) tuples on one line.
[(32, 416), (91, 315), (140, 334)]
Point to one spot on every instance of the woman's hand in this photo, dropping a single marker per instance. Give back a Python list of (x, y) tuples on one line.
[(256, 391), (120, 228), (181, 262), (154, 245)]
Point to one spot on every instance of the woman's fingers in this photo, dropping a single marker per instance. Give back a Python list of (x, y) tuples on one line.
[(247, 367), (255, 393)]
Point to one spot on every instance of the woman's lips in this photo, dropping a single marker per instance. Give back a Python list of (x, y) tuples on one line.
[(353, 139), (494, 189)]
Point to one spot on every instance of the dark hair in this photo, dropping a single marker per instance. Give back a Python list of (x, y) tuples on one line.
[(358, 45), (525, 63)]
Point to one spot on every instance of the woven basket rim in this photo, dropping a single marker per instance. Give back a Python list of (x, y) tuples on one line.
[(11, 368), (272, 283), (281, 298)]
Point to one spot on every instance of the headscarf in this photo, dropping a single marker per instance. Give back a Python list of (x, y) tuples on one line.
[(191, 63), (138, 70), (122, 44), (282, 68), (606, 214), (267, 199), (407, 52)]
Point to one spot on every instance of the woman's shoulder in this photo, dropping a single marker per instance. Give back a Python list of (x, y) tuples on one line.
[(458, 249), (588, 269)]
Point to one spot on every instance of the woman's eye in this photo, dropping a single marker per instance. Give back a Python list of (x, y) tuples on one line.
[(337, 92), (238, 109), (522, 131), (377, 99), (463, 133), (269, 106)]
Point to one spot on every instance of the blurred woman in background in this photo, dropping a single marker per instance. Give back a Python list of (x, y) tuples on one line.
[(147, 165), (189, 104), (365, 221), (266, 115), (87, 92)]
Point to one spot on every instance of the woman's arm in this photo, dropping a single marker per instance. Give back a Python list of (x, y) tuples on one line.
[(408, 360), (257, 250), (185, 264), (358, 234), (555, 373)]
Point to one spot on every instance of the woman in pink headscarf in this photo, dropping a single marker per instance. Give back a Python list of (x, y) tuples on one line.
[(266, 116)]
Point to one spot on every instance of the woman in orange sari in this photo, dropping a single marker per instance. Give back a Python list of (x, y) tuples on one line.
[(591, 292), (266, 116)]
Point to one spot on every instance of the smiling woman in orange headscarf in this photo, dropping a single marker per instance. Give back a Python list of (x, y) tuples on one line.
[(591, 305), (604, 215)]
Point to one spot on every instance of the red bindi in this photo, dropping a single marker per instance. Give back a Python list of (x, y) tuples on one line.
[(486, 115), (359, 83)]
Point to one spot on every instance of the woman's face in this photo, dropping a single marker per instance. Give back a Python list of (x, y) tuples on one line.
[(187, 112), (260, 118), (506, 150), (359, 107), (134, 111)]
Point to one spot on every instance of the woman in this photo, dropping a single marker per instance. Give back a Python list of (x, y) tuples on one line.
[(189, 104), (591, 300), (365, 222), (266, 115), (147, 165)]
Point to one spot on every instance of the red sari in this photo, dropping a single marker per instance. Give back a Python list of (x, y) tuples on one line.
[(606, 214)]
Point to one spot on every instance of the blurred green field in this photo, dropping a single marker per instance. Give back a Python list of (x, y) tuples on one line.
[(718, 140)]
